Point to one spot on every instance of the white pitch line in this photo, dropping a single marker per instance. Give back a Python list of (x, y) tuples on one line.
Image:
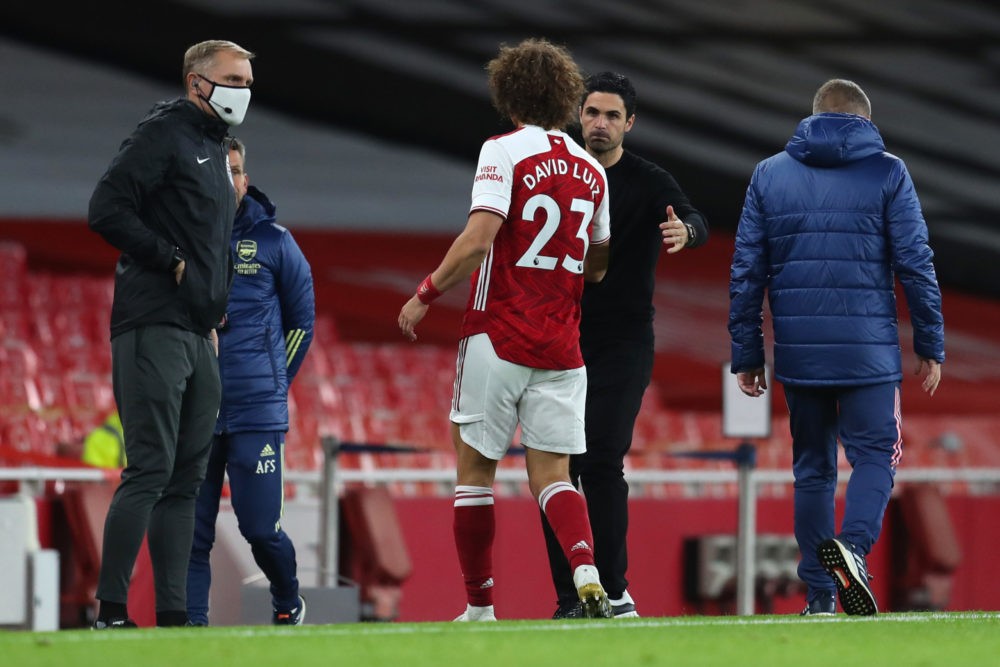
[(364, 629)]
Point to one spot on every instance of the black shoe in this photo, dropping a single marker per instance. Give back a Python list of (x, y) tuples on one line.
[(292, 617), (623, 607), (113, 624), (569, 609), (822, 605), (850, 573), (172, 618)]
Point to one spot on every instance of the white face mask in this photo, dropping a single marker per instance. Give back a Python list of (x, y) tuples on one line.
[(228, 102)]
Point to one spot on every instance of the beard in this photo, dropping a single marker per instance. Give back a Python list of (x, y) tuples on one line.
[(599, 143)]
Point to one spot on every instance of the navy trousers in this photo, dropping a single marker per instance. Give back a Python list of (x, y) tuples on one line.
[(254, 462), (867, 422)]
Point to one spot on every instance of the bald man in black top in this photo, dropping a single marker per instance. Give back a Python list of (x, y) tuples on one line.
[(648, 210)]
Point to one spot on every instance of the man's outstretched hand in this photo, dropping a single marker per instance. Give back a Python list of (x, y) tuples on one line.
[(674, 231)]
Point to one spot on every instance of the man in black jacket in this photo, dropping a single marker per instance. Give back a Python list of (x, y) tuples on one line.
[(167, 203), (648, 210)]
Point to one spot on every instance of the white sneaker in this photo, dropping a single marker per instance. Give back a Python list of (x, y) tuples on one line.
[(477, 614), (623, 607), (592, 596)]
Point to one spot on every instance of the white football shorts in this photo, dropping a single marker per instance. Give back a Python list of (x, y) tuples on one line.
[(492, 396)]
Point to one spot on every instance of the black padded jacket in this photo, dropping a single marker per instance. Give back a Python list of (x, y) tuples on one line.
[(169, 194)]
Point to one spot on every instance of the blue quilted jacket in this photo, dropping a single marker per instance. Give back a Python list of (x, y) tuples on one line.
[(269, 321), (825, 227)]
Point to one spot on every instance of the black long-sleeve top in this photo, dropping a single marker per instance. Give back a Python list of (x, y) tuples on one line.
[(168, 193), (621, 305)]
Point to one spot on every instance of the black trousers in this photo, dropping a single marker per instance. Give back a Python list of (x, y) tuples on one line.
[(166, 384), (618, 372)]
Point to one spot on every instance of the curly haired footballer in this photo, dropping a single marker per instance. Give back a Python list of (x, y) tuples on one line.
[(536, 83), (534, 186)]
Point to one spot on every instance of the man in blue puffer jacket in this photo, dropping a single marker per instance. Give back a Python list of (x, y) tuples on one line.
[(826, 226), (262, 342)]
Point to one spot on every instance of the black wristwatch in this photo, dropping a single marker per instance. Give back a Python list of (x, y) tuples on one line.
[(176, 260), (692, 234)]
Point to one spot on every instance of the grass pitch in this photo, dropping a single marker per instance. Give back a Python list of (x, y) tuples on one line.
[(892, 640)]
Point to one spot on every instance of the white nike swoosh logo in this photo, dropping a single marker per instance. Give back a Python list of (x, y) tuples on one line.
[(203, 160)]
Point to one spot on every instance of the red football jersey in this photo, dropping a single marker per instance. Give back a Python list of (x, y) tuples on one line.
[(553, 197)]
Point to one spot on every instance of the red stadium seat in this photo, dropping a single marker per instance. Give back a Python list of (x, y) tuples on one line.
[(14, 323), (18, 358), (927, 550), (373, 551), (29, 433), (14, 259), (19, 395), (89, 392)]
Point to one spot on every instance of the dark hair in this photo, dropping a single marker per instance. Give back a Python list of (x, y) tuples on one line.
[(233, 144), (611, 82), (536, 83)]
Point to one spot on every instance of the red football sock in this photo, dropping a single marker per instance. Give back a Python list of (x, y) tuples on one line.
[(566, 511), (475, 526)]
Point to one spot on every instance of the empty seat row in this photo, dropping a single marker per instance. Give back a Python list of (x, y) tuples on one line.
[(55, 386)]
